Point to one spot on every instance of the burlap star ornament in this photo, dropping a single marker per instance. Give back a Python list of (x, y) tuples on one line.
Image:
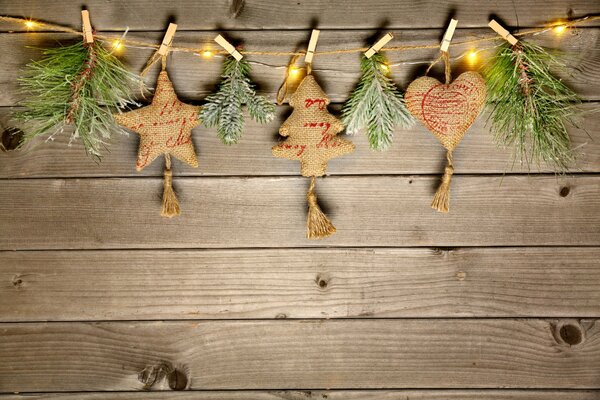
[(165, 127)]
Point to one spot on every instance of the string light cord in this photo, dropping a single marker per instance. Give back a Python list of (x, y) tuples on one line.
[(31, 24)]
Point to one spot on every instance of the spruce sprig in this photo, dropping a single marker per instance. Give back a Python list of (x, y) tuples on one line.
[(530, 107), (376, 104), (80, 85), (223, 108)]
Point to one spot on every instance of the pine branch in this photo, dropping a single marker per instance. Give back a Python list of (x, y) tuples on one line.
[(80, 85), (376, 104), (530, 107), (224, 108)]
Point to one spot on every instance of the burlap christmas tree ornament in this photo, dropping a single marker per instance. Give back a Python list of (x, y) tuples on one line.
[(447, 110), (165, 127), (311, 138)]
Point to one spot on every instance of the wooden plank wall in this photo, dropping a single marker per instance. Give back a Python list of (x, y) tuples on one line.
[(101, 298)]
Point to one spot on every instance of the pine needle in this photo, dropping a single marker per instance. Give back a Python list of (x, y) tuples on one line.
[(376, 104), (224, 108), (530, 107), (80, 85)]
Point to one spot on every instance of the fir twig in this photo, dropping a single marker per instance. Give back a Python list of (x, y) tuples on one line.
[(82, 85), (530, 107), (223, 108), (376, 104)]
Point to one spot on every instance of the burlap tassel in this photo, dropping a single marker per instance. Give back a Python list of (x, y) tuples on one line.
[(318, 226), (441, 200), (170, 204)]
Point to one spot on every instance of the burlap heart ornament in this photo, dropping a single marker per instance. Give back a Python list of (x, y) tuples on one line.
[(448, 111)]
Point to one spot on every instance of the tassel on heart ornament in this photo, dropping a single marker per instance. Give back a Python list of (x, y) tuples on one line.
[(447, 110)]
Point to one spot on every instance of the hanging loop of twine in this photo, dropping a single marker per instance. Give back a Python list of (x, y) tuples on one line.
[(445, 57), (155, 57)]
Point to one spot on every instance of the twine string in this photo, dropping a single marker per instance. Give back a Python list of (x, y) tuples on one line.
[(196, 50)]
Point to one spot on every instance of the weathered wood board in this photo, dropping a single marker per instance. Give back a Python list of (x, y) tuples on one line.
[(306, 283), (274, 14), (415, 151), (526, 353), (271, 212)]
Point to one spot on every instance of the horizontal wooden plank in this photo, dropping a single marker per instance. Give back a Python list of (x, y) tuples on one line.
[(298, 354), (271, 212), (311, 283), (489, 394), (415, 151), (194, 76), (269, 14)]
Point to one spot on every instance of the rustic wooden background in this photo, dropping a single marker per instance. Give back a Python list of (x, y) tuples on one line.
[(499, 299)]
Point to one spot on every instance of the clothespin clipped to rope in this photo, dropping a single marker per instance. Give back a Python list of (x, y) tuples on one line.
[(496, 27), (378, 45), (310, 51), (160, 54), (228, 47), (88, 36), (448, 36), (167, 40)]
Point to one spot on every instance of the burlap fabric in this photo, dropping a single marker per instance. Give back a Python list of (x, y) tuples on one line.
[(165, 126), (447, 110), (311, 131)]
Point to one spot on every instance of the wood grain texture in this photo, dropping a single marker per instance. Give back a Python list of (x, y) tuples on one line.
[(311, 283), (194, 76), (488, 394), (271, 212), (415, 151), (298, 354), (273, 14)]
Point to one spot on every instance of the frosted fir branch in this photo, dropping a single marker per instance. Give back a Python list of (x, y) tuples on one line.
[(531, 108), (376, 105), (80, 85), (224, 108)]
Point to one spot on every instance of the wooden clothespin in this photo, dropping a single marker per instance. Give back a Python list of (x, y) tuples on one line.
[(228, 47), (379, 44), (312, 46), (88, 36), (448, 36), (167, 40), (503, 32)]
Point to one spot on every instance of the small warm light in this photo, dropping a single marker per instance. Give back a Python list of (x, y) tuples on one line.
[(385, 68), (560, 29), (29, 24), (117, 45), (207, 54), (472, 56), (294, 71)]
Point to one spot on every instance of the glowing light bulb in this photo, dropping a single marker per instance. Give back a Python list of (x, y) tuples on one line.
[(560, 29), (117, 45), (207, 54), (294, 71), (472, 56), (385, 68), (29, 24)]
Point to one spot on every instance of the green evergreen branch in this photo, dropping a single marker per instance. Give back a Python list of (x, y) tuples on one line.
[(82, 85), (376, 104), (530, 107), (224, 108)]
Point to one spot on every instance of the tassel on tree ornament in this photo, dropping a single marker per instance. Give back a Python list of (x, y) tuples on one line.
[(311, 137), (80, 85), (530, 107), (224, 108), (447, 110), (376, 105)]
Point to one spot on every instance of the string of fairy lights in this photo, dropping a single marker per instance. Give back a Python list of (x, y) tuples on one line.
[(119, 44)]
